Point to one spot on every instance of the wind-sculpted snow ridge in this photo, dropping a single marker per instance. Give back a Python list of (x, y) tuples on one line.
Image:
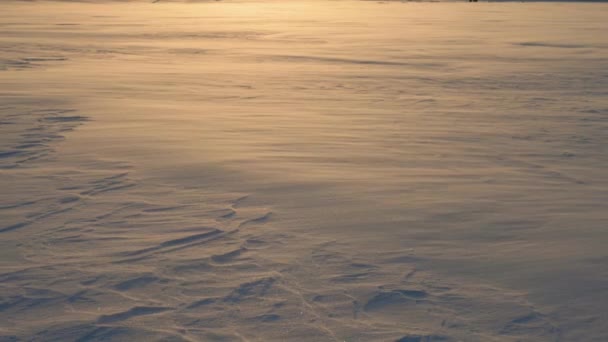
[(99, 255), (28, 134), (290, 171)]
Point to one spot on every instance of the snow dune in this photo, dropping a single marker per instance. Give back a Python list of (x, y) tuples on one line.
[(303, 171)]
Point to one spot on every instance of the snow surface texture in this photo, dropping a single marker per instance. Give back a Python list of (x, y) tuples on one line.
[(303, 171)]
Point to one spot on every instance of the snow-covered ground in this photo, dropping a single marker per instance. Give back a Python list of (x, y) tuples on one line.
[(303, 171)]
